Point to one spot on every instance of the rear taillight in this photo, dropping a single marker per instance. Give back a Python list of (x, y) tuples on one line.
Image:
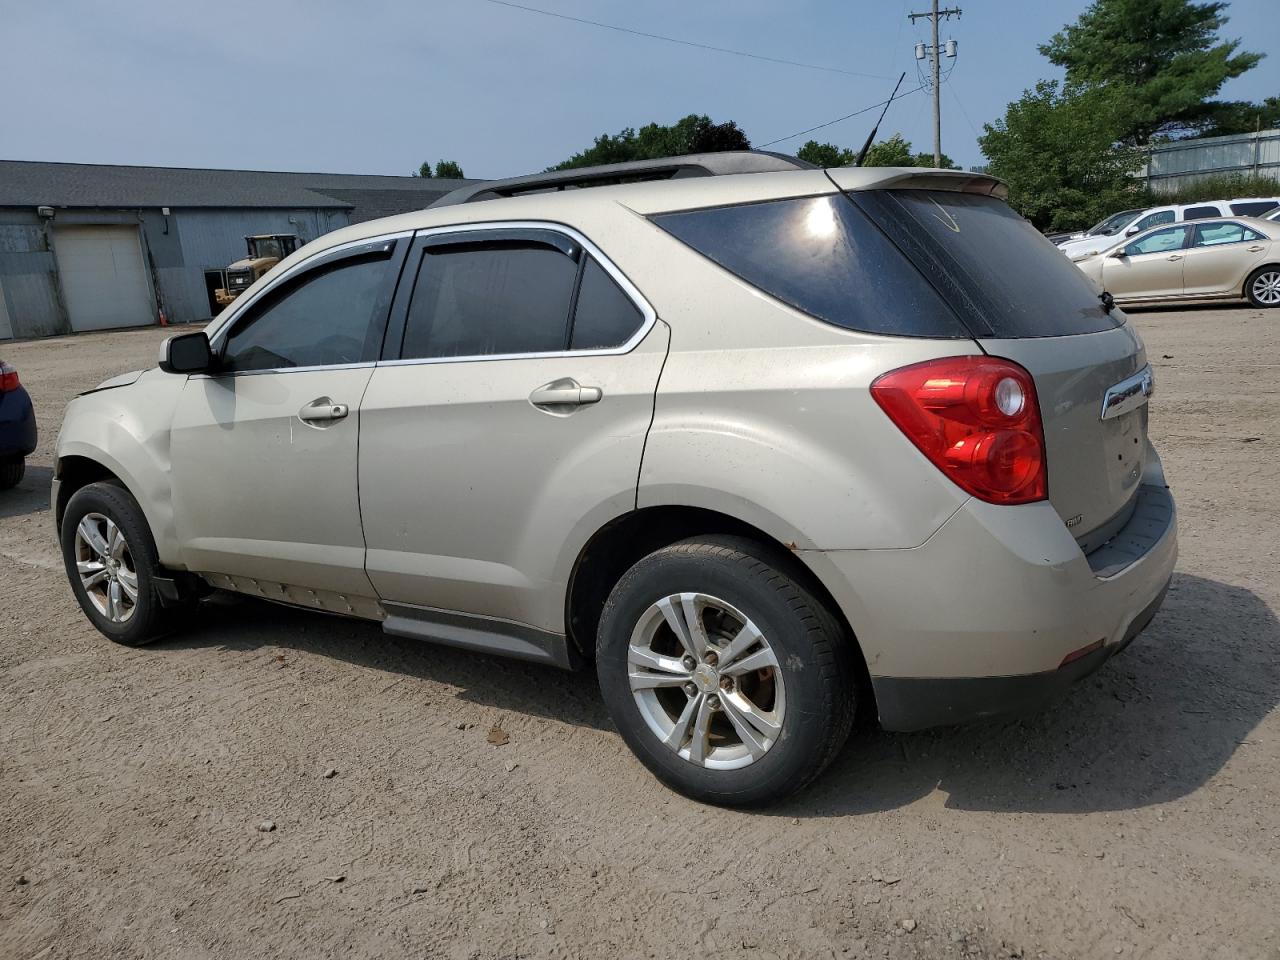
[(976, 419), (8, 377)]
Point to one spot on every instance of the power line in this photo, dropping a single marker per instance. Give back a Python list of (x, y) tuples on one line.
[(847, 116), (686, 43)]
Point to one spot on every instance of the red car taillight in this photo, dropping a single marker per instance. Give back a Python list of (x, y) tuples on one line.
[(8, 377), (977, 419)]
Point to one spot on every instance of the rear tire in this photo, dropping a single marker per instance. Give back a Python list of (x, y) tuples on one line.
[(725, 675), (1262, 289), (110, 559), (11, 473)]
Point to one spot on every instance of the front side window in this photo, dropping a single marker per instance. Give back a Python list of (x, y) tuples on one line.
[(326, 317), (1162, 241), (1212, 234), (490, 299), (1154, 220)]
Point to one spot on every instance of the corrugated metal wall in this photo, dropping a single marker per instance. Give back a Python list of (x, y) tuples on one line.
[(28, 277), (1176, 165)]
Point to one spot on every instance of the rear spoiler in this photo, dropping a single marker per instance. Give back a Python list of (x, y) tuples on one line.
[(917, 178)]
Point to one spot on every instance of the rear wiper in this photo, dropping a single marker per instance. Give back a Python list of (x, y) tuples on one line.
[(1108, 301)]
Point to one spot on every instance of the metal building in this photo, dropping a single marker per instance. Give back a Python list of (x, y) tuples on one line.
[(1181, 163), (91, 247)]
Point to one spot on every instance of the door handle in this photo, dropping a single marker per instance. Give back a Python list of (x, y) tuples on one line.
[(1255, 248), (565, 392), (1176, 256), (322, 410)]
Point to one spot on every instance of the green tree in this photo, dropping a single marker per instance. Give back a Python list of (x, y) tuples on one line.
[(893, 152), (449, 169), (693, 134), (1241, 116), (1164, 55), (1058, 148), (423, 171)]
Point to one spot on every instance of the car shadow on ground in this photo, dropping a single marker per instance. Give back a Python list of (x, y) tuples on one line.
[(31, 495), (1154, 724)]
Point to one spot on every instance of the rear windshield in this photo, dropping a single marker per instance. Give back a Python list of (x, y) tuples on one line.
[(823, 257), (1004, 279)]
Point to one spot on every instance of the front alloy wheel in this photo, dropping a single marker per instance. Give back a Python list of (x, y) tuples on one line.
[(105, 565)]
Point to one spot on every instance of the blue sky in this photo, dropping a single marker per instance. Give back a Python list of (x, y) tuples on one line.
[(379, 85)]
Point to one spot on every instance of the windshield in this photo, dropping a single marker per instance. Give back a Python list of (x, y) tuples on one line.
[(264, 247), (1114, 223)]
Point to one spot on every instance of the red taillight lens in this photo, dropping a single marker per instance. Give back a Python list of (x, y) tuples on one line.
[(8, 377), (976, 419)]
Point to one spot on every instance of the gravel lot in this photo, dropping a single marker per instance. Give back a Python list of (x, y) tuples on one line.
[(1137, 817)]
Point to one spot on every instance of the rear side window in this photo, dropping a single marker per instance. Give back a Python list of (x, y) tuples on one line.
[(490, 299), (824, 257), (1201, 213), (1212, 234), (604, 316), (1252, 208), (1006, 280)]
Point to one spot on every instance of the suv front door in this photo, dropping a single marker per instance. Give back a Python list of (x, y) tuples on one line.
[(510, 424), (264, 448)]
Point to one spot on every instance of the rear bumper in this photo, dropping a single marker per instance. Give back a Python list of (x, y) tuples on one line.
[(17, 424), (979, 619)]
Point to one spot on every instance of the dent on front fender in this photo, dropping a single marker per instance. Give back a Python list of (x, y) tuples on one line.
[(127, 431)]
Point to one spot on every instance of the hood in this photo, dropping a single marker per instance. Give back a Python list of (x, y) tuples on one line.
[(122, 380)]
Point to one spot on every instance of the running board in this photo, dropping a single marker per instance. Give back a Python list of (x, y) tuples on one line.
[(482, 634)]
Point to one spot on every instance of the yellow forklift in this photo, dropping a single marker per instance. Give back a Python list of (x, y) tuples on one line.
[(265, 251)]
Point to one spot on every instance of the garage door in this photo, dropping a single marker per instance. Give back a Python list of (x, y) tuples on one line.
[(104, 280)]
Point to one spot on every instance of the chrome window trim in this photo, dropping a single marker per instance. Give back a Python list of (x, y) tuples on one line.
[(219, 333), (648, 314)]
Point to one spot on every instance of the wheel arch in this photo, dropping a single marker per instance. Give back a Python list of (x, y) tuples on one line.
[(621, 542)]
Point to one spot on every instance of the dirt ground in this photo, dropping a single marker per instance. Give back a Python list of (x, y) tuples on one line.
[(1138, 817)]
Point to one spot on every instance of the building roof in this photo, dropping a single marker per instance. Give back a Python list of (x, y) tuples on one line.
[(27, 183)]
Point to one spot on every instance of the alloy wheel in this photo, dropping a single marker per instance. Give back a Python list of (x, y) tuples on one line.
[(706, 681), (1266, 288), (105, 566)]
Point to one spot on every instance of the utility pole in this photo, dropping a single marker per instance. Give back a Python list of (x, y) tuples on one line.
[(934, 53)]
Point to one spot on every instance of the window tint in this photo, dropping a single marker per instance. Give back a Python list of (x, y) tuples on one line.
[(326, 318), (604, 316), (1155, 219), (1211, 234), (1004, 278), (1159, 242), (1200, 213), (823, 256), (1252, 208), (487, 299)]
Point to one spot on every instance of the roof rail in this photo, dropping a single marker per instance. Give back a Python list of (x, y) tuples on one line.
[(636, 171)]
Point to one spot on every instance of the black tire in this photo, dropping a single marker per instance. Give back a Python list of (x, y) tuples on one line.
[(150, 619), (1272, 272), (815, 661), (11, 472)]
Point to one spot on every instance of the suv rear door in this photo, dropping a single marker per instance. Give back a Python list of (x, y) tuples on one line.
[(507, 420)]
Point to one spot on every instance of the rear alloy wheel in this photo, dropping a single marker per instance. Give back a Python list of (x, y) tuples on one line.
[(1263, 287), (726, 676)]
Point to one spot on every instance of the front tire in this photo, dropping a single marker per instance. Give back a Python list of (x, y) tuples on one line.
[(110, 559), (1262, 289), (11, 472), (725, 675)]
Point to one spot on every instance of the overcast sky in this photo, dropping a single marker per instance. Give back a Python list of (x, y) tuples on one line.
[(379, 85)]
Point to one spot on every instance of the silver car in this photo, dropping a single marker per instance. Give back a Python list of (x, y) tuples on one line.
[(765, 448)]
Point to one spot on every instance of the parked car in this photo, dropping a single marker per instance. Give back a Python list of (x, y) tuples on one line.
[(17, 427), (1235, 259), (767, 448), (1107, 227), (1158, 216)]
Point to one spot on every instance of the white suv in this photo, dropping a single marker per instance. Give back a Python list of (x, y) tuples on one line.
[(1116, 229), (765, 447)]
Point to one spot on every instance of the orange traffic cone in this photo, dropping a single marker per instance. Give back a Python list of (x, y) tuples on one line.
[(164, 321)]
